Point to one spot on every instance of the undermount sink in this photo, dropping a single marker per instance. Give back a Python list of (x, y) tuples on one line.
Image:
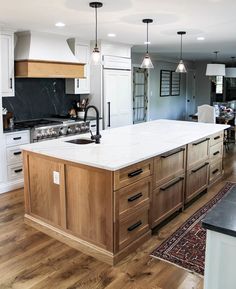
[(81, 141)]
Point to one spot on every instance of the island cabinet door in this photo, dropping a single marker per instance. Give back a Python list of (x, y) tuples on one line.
[(197, 181), (167, 199), (198, 152), (44, 189), (89, 204), (169, 165)]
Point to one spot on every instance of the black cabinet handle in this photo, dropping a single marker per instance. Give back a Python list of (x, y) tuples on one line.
[(173, 153), (109, 114), (135, 197), (216, 153), (194, 171), (17, 153), (172, 184), (10, 83), (134, 226), (217, 137), (199, 142), (17, 138), (18, 171), (215, 171), (135, 173)]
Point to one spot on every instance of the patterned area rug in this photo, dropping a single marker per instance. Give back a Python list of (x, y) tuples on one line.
[(186, 246)]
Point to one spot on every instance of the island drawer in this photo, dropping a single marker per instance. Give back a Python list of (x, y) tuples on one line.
[(197, 180), (216, 152), (167, 199), (133, 197), (198, 152), (132, 174), (133, 227), (14, 155), (215, 171), (216, 138), (169, 165)]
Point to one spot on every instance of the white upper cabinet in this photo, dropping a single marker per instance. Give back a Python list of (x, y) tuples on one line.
[(81, 51), (7, 63)]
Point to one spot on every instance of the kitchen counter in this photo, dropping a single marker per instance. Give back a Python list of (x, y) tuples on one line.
[(124, 146)]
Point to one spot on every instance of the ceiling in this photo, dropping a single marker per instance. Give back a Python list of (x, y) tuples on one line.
[(213, 19)]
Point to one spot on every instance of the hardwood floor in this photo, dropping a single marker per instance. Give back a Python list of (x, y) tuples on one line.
[(30, 259)]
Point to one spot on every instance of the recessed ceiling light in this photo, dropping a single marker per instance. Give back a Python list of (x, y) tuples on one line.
[(200, 38), (147, 42), (60, 24), (111, 35)]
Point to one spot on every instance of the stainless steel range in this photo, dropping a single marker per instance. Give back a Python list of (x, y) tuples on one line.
[(51, 128)]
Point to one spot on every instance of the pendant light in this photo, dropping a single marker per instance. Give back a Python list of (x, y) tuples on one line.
[(215, 69), (181, 67), (96, 52), (147, 62), (230, 72)]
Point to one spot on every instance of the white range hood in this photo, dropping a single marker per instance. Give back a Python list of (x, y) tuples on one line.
[(46, 55)]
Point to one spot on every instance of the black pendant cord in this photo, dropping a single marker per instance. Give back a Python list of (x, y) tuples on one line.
[(96, 27), (147, 39), (181, 48)]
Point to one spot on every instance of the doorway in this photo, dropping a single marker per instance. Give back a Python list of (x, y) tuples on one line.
[(190, 94), (140, 95)]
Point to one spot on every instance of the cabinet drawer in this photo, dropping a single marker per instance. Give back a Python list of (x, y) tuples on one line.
[(17, 138), (167, 199), (198, 152), (169, 165), (133, 227), (132, 174), (14, 155), (133, 197), (216, 152), (216, 138), (215, 171), (15, 172), (197, 181)]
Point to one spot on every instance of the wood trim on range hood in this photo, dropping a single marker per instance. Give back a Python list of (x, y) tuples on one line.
[(48, 69)]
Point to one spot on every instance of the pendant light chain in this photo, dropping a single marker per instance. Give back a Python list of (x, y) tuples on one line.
[(96, 27), (147, 37), (181, 47)]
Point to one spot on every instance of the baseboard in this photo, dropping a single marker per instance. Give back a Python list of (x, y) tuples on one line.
[(11, 186)]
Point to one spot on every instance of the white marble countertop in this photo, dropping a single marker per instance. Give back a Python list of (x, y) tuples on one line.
[(124, 146)]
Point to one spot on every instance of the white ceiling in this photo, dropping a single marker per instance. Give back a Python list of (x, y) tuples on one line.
[(213, 19)]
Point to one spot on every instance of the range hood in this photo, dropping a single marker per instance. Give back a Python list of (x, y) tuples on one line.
[(45, 55)]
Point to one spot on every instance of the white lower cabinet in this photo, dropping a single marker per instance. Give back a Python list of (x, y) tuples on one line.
[(11, 173)]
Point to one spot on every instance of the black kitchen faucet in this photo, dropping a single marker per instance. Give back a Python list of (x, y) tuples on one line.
[(97, 136)]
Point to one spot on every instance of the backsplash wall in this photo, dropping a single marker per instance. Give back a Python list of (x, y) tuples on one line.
[(37, 98)]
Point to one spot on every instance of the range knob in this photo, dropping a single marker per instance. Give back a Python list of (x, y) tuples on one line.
[(39, 135), (78, 129), (69, 130)]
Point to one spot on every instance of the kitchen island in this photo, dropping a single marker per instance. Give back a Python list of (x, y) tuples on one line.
[(104, 199)]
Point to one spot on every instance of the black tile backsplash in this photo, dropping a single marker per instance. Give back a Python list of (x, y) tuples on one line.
[(36, 98)]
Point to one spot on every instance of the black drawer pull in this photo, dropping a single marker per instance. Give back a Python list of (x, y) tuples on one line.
[(215, 171), (173, 153), (172, 184), (17, 138), (134, 226), (216, 153), (217, 137), (194, 171), (199, 142), (135, 197), (18, 171), (135, 173), (17, 153)]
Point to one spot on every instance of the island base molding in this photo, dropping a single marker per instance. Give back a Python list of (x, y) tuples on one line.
[(83, 246)]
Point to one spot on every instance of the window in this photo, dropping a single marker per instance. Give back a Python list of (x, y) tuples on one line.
[(219, 84)]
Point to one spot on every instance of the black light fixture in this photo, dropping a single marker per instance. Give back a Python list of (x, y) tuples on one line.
[(96, 52), (181, 67), (147, 63)]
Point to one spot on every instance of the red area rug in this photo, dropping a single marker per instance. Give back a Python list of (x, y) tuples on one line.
[(186, 246)]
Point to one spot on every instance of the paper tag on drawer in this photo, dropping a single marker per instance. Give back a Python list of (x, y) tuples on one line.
[(56, 178)]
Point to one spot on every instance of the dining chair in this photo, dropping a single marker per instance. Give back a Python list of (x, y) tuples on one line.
[(206, 113)]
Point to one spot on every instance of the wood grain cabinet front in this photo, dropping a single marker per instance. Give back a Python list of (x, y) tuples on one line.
[(216, 152), (216, 138), (169, 165), (197, 180), (167, 199), (215, 171), (198, 152)]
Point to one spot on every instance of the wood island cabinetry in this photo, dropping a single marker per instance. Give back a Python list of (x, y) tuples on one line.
[(108, 214)]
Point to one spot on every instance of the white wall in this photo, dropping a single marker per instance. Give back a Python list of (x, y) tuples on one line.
[(172, 107), (203, 84)]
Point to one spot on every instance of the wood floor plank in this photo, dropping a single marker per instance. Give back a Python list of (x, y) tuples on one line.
[(31, 260)]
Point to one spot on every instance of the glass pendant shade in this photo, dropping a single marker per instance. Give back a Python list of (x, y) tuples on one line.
[(147, 62), (215, 69), (181, 67), (96, 56)]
